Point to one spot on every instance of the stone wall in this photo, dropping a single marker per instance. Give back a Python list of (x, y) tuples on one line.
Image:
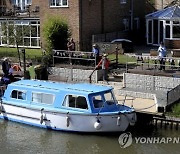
[(164, 90), (75, 75), (150, 83)]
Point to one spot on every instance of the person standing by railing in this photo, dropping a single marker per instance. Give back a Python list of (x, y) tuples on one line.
[(95, 50), (104, 62), (162, 54), (71, 45)]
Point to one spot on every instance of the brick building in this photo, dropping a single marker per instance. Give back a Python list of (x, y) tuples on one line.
[(85, 18)]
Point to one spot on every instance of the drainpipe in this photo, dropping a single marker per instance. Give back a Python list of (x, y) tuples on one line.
[(162, 4), (80, 24), (102, 16), (132, 13)]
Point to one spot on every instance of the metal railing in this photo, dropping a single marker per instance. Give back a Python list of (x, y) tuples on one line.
[(153, 63), (74, 58)]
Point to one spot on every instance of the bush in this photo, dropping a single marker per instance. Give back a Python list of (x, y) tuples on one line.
[(56, 33), (176, 109)]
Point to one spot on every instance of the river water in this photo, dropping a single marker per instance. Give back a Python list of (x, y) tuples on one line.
[(18, 138)]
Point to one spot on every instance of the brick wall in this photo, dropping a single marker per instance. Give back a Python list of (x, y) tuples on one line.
[(70, 13), (92, 17), (162, 3)]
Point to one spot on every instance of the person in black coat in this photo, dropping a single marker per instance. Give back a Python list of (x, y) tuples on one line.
[(5, 67)]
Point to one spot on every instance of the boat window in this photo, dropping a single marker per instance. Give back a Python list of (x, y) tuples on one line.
[(43, 98), (18, 94), (75, 102), (97, 101), (109, 98)]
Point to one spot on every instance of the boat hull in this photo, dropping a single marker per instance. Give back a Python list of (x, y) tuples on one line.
[(68, 121)]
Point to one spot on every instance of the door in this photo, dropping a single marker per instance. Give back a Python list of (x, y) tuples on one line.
[(149, 31)]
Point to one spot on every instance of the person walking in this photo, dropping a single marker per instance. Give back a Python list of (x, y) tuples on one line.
[(162, 54), (104, 62)]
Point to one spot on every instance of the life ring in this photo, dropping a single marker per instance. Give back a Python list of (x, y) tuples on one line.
[(16, 68)]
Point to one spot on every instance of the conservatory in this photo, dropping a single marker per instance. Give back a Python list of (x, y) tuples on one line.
[(164, 26), (25, 32)]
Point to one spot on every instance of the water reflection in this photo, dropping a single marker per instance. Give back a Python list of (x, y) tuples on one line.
[(22, 139)]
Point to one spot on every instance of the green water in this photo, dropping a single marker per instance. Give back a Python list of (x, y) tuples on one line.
[(17, 138)]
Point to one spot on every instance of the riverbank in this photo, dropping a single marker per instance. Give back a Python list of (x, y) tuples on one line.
[(174, 110)]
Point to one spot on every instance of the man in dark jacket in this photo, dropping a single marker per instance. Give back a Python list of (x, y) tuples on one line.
[(5, 67)]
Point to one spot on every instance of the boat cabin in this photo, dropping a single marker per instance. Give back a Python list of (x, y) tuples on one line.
[(53, 96)]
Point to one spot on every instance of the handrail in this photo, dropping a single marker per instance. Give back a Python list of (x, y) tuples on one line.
[(90, 80)]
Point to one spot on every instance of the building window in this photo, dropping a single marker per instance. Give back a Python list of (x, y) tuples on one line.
[(126, 24), (43, 98), (27, 32), (167, 31), (58, 3), (18, 94), (22, 4), (123, 1), (176, 29), (75, 102)]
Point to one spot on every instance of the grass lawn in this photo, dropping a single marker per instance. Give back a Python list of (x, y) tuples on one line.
[(12, 52), (122, 59), (37, 54)]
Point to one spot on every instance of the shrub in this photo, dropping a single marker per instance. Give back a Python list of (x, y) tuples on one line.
[(56, 32)]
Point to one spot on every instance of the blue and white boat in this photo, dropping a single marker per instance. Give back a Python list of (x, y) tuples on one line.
[(68, 107)]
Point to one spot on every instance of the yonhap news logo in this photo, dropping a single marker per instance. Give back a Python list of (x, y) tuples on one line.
[(125, 140)]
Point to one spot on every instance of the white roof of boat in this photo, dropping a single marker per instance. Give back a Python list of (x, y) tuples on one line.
[(81, 87)]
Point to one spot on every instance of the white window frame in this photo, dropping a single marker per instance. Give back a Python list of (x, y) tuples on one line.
[(18, 95), (55, 3), (41, 97), (66, 102), (23, 22), (22, 3), (123, 1)]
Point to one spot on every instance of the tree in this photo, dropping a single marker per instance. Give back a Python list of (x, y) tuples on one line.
[(13, 34), (56, 32)]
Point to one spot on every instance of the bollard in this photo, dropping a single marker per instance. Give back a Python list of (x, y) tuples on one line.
[(171, 125)]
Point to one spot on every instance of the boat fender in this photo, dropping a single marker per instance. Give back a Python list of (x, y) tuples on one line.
[(97, 125), (133, 120), (118, 121), (42, 116), (1, 107), (67, 121), (41, 119)]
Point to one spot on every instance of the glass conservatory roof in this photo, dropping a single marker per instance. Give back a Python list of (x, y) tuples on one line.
[(172, 13)]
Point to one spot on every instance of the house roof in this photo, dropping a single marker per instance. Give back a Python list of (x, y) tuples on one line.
[(172, 13)]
